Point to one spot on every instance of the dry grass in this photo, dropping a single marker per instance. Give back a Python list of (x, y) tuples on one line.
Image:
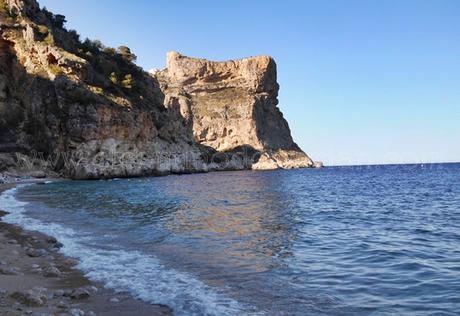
[(55, 69)]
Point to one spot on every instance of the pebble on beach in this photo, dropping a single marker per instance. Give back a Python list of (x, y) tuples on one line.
[(52, 272), (32, 252), (9, 271), (114, 300), (35, 297), (79, 294)]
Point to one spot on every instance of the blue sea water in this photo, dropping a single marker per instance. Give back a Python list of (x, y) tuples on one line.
[(364, 240)]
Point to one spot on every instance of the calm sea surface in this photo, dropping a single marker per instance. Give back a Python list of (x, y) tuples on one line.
[(378, 240)]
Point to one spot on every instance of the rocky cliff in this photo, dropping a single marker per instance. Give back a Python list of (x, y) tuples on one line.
[(90, 112), (232, 106)]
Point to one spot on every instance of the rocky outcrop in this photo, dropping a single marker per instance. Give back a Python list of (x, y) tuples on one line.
[(88, 112), (232, 105)]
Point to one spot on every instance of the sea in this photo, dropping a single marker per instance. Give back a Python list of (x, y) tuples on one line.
[(352, 240)]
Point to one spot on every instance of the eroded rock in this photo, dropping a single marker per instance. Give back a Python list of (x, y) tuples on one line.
[(232, 106), (196, 115)]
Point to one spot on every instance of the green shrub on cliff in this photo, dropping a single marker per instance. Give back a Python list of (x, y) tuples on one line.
[(113, 78), (126, 54), (59, 20), (93, 46), (110, 51), (74, 35), (127, 82), (48, 15)]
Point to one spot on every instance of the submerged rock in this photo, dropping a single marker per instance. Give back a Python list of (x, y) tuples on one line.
[(58, 245)]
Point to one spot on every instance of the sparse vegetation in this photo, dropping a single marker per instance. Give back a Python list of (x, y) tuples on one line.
[(59, 20), (74, 35), (43, 29), (110, 51), (4, 8), (109, 72), (48, 14), (97, 90), (5, 11), (113, 78), (127, 82), (126, 54), (55, 69), (49, 39)]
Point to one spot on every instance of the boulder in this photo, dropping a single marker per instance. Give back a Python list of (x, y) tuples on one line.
[(33, 298), (79, 294), (32, 252), (8, 271), (52, 272)]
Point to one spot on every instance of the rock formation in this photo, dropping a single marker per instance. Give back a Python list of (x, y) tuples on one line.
[(91, 112), (232, 105)]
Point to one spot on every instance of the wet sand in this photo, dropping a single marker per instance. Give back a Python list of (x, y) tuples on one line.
[(36, 279)]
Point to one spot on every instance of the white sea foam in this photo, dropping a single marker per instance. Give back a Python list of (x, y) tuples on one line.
[(143, 276)]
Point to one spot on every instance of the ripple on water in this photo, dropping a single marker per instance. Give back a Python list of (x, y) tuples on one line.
[(336, 241)]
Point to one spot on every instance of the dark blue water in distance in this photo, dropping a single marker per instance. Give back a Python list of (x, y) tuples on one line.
[(376, 240)]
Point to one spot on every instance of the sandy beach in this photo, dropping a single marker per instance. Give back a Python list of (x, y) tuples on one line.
[(36, 279)]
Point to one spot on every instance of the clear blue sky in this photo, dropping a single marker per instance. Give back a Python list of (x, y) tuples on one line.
[(361, 81)]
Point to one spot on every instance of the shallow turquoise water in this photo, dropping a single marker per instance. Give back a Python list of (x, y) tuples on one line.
[(380, 240)]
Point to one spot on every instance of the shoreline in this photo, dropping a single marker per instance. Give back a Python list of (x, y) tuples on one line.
[(37, 279)]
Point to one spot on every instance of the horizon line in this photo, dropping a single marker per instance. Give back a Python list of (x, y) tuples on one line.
[(391, 164)]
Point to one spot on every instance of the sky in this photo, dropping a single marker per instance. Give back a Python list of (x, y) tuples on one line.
[(361, 82)]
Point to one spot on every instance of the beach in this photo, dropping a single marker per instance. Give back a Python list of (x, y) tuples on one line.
[(36, 279)]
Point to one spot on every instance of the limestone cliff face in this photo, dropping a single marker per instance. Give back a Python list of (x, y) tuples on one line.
[(92, 113), (232, 105)]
